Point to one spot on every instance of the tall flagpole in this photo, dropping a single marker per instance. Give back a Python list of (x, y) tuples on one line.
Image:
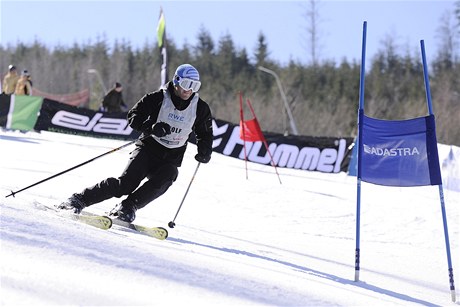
[(441, 192), (359, 150), (244, 133), (161, 37)]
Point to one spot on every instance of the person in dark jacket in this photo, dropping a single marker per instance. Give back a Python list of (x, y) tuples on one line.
[(166, 119), (113, 101)]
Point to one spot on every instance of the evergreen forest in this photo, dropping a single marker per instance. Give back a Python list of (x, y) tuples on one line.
[(323, 96)]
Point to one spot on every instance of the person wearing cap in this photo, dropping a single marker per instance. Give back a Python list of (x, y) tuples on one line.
[(10, 80), (24, 84), (166, 118), (113, 101)]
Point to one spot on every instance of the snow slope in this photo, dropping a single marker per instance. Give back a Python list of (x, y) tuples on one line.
[(237, 241)]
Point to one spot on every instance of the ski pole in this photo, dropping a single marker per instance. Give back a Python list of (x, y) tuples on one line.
[(172, 224), (70, 169)]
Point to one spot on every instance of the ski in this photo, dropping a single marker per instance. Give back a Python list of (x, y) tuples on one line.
[(99, 221), (159, 233), (105, 222)]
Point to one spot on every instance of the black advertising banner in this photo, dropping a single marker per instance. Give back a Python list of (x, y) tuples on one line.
[(59, 117), (324, 154)]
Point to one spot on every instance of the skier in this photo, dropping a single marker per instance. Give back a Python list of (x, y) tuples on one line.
[(166, 119)]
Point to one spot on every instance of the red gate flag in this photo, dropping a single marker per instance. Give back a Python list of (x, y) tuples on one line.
[(250, 131)]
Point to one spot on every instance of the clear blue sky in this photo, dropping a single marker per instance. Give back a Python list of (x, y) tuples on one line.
[(284, 23)]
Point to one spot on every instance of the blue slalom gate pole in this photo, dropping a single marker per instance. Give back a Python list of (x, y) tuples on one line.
[(359, 150), (441, 192)]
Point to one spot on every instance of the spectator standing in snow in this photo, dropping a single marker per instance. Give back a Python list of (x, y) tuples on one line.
[(166, 118), (113, 101), (24, 84), (10, 80)]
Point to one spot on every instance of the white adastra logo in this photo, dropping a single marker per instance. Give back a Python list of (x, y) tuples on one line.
[(391, 152)]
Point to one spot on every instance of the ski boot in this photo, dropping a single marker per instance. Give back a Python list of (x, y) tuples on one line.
[(125, 211), (74, 203)]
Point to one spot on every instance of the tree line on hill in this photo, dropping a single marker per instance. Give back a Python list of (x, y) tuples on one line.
[(323, 97)]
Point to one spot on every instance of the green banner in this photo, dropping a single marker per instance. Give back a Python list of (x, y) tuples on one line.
[(23, 113)]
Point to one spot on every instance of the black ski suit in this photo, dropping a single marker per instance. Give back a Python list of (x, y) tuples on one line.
[(150, 159)]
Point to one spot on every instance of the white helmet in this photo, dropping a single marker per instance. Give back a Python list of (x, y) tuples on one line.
[(187, 77)]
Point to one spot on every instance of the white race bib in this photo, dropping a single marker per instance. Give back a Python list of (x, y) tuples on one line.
[(181, 122)]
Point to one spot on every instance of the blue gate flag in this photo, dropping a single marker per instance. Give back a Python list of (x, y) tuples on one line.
[(400, 153)]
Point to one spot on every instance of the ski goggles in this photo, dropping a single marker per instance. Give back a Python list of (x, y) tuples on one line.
[(188, 84)]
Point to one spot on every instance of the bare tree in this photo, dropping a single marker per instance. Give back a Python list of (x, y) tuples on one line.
[(457, 15), (449, 38), (313, 21)]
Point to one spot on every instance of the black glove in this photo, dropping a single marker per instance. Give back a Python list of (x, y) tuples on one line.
[(161, 129), (146, 126), (202, 158)]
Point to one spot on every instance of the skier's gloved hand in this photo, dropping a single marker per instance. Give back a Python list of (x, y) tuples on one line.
[(202, 158), (146, 126), (161, 129)]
